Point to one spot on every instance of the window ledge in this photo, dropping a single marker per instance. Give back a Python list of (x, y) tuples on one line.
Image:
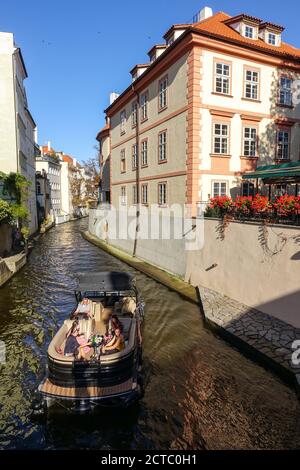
[(160, 110), (160, 162), (144, 120), (282, 160), (251, 99), (220, 155), (288, 106), (221, 94), (245, 157), (144, 166)]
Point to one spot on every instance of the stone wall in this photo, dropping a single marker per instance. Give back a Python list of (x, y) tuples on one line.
[(256, 265)]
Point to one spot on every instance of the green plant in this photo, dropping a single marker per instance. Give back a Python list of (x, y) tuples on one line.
[(16, 187), (6, 214), (25, 233)]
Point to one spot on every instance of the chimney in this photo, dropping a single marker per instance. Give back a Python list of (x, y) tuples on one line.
[(49, 145), (112, 97), (206, 12), (203, 14)]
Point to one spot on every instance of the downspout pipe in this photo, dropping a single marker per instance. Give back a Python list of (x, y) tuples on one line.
[(137, 180)]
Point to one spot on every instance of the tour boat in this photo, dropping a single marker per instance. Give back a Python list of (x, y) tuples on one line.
[(112, 379)]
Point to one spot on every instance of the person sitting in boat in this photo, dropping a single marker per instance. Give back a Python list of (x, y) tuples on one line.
[(116, 324), (76, 344), (117, 344), (83, 309)]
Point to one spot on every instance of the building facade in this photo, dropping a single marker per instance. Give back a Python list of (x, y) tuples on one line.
[(17, 126), (213, 103), (48, 162), (43, 196)]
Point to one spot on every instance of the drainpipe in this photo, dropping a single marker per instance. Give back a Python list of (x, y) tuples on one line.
[(137, 181)]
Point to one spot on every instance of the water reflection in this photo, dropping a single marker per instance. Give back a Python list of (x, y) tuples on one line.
[(200, 393)]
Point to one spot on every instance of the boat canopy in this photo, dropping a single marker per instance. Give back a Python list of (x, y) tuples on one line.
[(108, 281)]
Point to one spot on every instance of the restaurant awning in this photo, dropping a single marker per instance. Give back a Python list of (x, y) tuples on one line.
[(289, 172)]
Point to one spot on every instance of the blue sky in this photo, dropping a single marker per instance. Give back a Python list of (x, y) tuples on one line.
[(77, 52)]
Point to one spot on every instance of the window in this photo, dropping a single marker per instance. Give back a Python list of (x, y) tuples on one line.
[(134, 194), (123, 194), (144, 152), (162, 146), (144, 107), (248, 189), (249, 32), (123, 161), (222, 78), (162, 194), (221, 135), (272, 39), (251, 84), (219, 188), (170, 40), (144, 194), (281, 189), (162, 93), (285, 92), (134, 114), (123, 122), (283, 145), (38, 187), (250, 141), (134, 156)]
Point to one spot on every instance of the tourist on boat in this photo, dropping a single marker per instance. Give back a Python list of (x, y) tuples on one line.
[(83, 309), (116, 324), (116, 345), (72, 343)]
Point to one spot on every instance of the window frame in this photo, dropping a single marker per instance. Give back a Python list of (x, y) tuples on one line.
[(123, 196), (123, 122), (213, 182), (144, 165), (160, 161), (161, 80), (270, 33), (216, 75), (134, 114), (214, 136), (288, 132), (165, 203), (252, 28), (123, 160), (134, 156), (252, 83), (284, 90), (249, 139), (145, 186), (144, 106)]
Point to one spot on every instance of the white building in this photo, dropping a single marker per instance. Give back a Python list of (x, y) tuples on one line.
[(50, 163), (17, 127)]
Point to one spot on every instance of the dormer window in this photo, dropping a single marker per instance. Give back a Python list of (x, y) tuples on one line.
[(272, 39), (249, 32), (170, 40), (271, 33)]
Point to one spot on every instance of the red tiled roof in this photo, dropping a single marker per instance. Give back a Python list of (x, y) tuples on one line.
[(104, 130), (67, 159), (216, 26)]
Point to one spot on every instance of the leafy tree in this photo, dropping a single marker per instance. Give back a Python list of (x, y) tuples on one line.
[(6, 214)]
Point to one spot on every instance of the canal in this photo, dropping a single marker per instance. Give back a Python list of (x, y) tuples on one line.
[(200, 392)]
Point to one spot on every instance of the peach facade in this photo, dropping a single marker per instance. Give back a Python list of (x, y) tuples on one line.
[(207, 108)]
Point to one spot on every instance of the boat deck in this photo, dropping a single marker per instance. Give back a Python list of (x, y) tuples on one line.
[(54, 391)]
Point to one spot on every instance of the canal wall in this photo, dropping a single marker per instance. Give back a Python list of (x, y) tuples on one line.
[(255, 264), (10, 266)]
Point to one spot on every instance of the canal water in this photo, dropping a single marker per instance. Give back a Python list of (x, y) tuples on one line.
[(200, 392)]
